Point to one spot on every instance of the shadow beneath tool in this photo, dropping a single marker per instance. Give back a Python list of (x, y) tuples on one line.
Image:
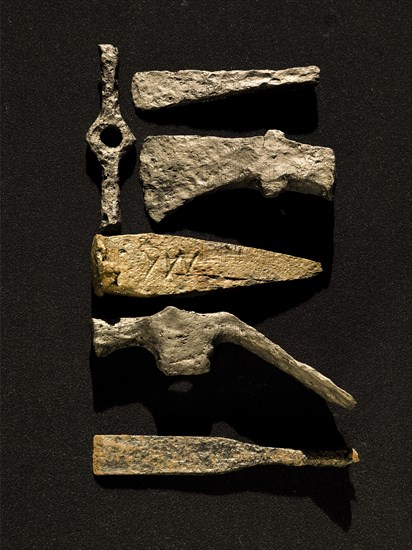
[(293, 110), (242, 397), (292, 223), (272, 298), (330, 489)]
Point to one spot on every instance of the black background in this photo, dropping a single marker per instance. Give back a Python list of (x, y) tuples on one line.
[(352, 323)]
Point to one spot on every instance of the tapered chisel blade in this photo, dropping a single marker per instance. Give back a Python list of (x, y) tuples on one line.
[(148, 265), (183, 455), (156, 89)]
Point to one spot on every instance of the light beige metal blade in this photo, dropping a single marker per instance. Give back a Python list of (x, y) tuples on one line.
[(148, 265)]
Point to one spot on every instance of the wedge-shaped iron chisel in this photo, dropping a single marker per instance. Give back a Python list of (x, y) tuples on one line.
[(156, 89), (147, 265)]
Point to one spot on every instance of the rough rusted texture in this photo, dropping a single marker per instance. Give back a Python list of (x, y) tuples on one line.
[(156, 89), (110, 127), (176, 169), (182, 455), (183, 341), (147, 265)]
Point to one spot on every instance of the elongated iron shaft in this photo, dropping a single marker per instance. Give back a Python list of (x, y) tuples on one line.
[(179, 455), (156, 89), (109, 138)]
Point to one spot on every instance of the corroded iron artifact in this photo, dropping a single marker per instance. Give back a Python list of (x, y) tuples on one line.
[(156, 89), (183, 342), (176, 169), (180, 455), (148, 264), (109, 138)]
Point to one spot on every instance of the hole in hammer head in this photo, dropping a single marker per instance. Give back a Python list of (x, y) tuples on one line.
[(111, 136)]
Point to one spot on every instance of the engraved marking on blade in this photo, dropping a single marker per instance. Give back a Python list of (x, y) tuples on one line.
[(192, 262), (181, 265), (153, 261), (184, 263), (171, 261)]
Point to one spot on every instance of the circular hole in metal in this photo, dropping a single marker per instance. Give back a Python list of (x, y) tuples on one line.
[(111, 136)]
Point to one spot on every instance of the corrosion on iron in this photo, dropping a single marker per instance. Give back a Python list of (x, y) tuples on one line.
[(183, 342), (174, 170), (157, 89), (109, 138), (184, 455)]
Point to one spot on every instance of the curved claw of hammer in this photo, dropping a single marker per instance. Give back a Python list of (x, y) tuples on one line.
[(109, 138), (183, 341), (235, 331)]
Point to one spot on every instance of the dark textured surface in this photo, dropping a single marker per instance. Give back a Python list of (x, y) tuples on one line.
[(354, 326), (194, 455)]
